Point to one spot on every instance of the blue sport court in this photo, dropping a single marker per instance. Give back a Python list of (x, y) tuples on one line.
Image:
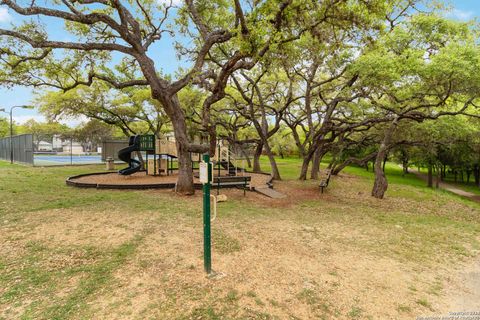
[(51, 160)]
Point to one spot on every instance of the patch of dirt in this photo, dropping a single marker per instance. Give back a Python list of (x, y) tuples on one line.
[(75, 258), (283, 269), (77, 227)]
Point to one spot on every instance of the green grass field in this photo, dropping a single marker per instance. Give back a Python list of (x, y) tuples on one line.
[(71, 253)]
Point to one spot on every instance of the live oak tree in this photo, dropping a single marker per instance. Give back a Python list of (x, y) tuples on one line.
[(320, 65), (4, 127), (423, 70), (262, 97), (282, 142), (447, 144), (43, 131), (92, 133), (130, 110), (357, 148)]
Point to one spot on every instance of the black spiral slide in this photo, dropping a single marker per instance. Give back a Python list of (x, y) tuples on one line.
[(125, 155)]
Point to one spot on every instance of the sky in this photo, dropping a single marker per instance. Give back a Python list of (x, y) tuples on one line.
[(163, 54)]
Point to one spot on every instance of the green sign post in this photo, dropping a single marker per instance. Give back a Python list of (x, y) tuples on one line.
[(207, 246)]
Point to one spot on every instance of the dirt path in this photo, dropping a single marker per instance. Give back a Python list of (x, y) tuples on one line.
[(451, 188), (463, 293)]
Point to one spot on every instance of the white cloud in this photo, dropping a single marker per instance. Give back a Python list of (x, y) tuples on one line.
[(461, 14), (4, 15)]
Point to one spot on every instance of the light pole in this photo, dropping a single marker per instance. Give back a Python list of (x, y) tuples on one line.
[(3, 110), (11, 128)]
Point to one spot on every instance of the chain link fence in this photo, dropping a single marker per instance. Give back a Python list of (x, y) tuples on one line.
[(58, 150), (61, 150)]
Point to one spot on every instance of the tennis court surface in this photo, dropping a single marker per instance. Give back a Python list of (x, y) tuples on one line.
[(51, 160)]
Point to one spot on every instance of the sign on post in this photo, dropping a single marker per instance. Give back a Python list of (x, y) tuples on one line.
[(204, 172)]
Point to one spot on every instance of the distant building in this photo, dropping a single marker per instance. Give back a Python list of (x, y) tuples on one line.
[(57, 143), (72, 147), (44, 146)]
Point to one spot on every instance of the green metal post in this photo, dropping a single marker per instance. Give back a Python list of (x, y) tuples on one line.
[(207, 248), (218, 166)]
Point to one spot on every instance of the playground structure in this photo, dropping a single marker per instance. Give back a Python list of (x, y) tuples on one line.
[(163, 151), (160, 155), (161, 171)]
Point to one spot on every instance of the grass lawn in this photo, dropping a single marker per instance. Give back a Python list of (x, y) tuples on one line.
[(69, 253)]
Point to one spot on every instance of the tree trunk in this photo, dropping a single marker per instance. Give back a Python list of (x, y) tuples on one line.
[(256, 157), (404, 162), (349, 161), (304, 170), (430, 176), (185, 170), (173, 109), (273, 163), (437, 182), (381, 183), (340, 167), (405, 166), (385, 162), (476, 175), (245, 154), (317, 159)]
